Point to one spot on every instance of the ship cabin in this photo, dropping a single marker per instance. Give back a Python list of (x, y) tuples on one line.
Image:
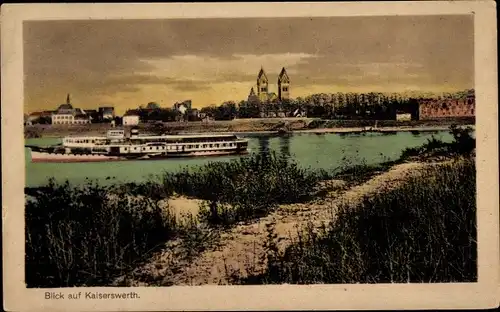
[(82, 141), (190, 143)]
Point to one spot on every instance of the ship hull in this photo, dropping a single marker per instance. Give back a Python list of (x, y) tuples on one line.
[(44, 157), (52, 157)]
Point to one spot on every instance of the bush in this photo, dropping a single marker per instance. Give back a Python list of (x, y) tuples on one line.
[(245, 188), (84, 236), (421, 232), (463, 144)]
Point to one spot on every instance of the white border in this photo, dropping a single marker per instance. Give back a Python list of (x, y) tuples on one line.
[(398, 296)]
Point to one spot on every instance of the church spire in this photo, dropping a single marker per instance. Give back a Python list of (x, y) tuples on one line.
[(283, 76), (262, 73), (283, 85), (67, 99)]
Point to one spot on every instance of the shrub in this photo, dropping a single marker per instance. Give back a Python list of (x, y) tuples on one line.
[(244, 188), (84, 236), (463, 144)]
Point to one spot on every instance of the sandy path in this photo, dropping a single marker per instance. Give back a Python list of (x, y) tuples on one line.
[(241, 249)]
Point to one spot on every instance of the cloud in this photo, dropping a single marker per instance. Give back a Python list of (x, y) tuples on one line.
[(124, 62), (208, 69)]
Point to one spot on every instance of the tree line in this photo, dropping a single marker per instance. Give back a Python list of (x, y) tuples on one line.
[(331, 106), (379, 106)]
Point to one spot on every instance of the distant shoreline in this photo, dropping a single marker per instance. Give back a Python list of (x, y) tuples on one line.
[(354, 130), (257, 126)]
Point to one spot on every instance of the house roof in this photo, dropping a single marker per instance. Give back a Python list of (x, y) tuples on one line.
[(65, 106), (131, 112)]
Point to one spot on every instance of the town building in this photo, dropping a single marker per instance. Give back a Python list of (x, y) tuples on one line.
[(263, 93), (403, 116), (67, 115), (131, 118), (447, 108)]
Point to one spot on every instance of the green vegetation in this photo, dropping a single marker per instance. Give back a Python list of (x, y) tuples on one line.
[(89, 235), (463, 144), (423, 231), (238, 190), (367, 106), (84, 236)]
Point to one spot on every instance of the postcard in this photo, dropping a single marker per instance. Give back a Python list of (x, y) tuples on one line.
[(250, 156)]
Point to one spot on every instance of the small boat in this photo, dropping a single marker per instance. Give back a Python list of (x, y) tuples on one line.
[(116, 146)]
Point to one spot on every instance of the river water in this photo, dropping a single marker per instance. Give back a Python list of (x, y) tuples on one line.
[(327, 151)]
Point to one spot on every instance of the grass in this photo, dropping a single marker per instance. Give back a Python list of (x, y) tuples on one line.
[(89, 235), (82, 236), (421, 232), (238, 190)]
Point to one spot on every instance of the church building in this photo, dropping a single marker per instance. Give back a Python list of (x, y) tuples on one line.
[(263, 93)]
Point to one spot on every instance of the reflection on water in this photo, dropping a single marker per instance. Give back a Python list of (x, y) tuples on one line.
[(326, 151), (285, 145), (263, 142)]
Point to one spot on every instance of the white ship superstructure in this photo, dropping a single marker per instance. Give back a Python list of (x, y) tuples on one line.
[(116, 146)]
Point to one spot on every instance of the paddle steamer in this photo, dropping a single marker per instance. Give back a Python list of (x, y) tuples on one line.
[(117, 146)]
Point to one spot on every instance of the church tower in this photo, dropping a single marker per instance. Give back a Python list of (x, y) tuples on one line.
[(262, 86), (283, 85)]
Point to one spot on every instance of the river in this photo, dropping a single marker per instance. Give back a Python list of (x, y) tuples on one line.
[(327, 151)]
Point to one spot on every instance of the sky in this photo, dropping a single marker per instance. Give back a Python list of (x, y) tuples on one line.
[(127, 63)]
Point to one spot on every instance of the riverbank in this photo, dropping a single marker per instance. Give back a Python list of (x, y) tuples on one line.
[(241, 253), (253, 126)]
